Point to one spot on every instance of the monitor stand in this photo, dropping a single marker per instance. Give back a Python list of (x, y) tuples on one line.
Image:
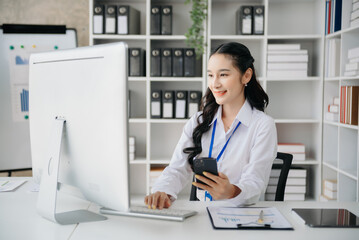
[(46, 203)]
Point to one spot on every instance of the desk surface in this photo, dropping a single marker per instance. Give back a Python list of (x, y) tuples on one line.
[(19, 220)]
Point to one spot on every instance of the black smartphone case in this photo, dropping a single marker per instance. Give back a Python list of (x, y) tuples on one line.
[(201, 165)]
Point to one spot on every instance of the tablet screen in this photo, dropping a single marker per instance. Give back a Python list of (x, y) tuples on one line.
[(328, 217)]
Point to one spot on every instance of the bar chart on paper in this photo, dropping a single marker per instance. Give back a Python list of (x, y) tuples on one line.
[(20, 102)]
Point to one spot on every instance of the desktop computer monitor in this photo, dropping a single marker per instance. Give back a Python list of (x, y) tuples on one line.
[(79, 125)]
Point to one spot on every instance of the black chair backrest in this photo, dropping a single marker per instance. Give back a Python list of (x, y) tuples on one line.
[(285, 166)]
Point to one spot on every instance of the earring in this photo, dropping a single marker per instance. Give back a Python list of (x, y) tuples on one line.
[(245, 85)]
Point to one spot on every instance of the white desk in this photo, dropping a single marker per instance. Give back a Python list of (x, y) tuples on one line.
[(19, 220)]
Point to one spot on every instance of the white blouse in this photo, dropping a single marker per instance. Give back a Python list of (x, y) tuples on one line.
[(247, 160)]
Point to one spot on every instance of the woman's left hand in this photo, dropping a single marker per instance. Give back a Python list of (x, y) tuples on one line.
[(218, 186)]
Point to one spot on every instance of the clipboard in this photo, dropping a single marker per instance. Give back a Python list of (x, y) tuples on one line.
[(232, 218)]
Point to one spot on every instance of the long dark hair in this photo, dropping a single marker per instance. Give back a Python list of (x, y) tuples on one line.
[(253, 92)]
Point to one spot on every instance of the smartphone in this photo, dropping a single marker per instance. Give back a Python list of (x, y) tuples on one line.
[(204, 164)]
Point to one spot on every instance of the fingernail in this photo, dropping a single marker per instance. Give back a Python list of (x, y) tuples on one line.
[(205, 173), (153, 207), (194, 184), (149, 206), (196, 176)]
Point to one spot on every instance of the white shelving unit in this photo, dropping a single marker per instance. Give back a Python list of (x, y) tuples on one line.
[(295, 103), (155, 138), (340, 141)]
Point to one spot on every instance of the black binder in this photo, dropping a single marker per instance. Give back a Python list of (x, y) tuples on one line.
[(156, 104), (244, 20), (189, 62), (156, 20), (156, 62), (128, 20), (194, 101), (177, 56), (258, 20), (181, 104), (136, 62), (110, 16), (166, 20), (98, 19), (168, 104), (166, 62)]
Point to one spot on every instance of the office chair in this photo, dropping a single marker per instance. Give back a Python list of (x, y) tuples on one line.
[(285, 166)]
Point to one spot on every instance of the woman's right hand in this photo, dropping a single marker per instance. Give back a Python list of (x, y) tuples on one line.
[(158, 200)]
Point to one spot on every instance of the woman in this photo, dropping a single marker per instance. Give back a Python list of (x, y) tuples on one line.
[(245, 139)]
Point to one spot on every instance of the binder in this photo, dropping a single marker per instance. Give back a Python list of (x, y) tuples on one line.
[(189, 62), (110, 15), (156, 62), (156, 20), (128, 20), (177, 62), (168, 104), (194, 101), (181, 104), (258, 23), (136, 62), (166, 62), (166, 20), (244, 20), (156, 104), (98, 16)]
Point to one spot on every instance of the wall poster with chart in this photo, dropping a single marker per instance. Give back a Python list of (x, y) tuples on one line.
[(17, 43)]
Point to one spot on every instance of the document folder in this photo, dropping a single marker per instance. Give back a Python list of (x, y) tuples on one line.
[(110, 26), (156, 104), (166, 20), (98, 16), (247, 218), (258, 17), (156, 20), (168, 106), (136, 62), (156, 62), (128, 20), (244, 20), (166, 62), (181, 104), (177, 62), (189, 62)]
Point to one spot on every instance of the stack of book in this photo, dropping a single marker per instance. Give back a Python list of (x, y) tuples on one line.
[(287, 60), (155, 172), (354, 17), (296, 149), (333, 16), (329, 190), (333, 110), (349, 97), (332, 65), (352, 67), (131, 148), (295, 187)]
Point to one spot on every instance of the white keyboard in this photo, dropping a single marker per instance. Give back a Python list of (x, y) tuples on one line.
[(145, 212)]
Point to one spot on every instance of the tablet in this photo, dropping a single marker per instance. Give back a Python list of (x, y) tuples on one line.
[(337, 218)]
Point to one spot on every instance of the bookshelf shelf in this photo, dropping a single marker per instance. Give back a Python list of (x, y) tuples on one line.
[(237, 37), (296, 121), (138, 161), (295, 37), (119, 37), (168, 120), (137, 120), (137, 79), (328, 79), (294, 79), (176, 79), (167, 37)]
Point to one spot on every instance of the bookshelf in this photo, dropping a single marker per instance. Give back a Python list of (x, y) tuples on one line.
[(295, 103), (340, 141)]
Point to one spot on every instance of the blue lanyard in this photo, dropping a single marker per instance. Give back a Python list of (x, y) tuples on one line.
[(212, 140)]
